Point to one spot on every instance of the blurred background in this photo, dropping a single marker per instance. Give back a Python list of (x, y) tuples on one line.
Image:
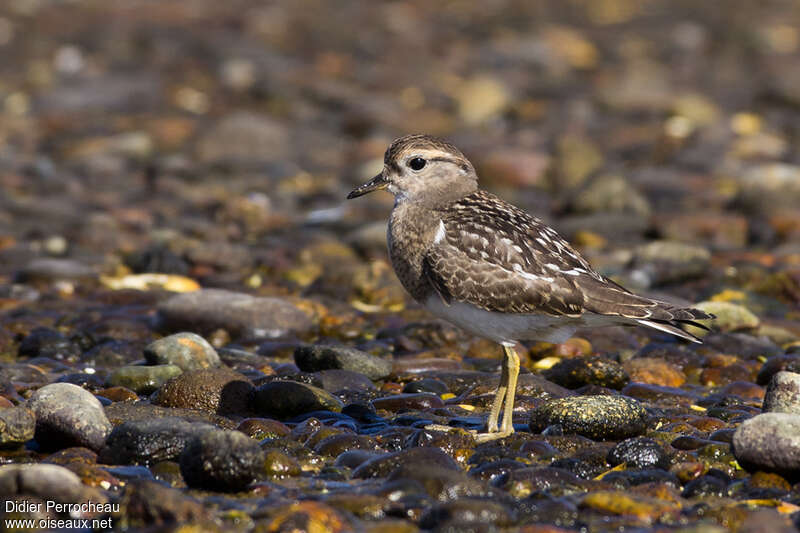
[(217, 140)]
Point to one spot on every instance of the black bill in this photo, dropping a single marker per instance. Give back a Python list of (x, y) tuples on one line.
[(376, 183)]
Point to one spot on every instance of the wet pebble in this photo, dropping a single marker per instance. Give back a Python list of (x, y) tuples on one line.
[(431, 385), (146, 504), (286, 399), (576, 372), (149, 440), (661, 262), (238, 313), (216, 390), (143, 379), (408, 402), (462, 513), (67, 415), (45, 270), (222, 461), (655, 372), (188, 351), (596, 417), (46, 342), (778, 363), (17, 426), (263, 428), (316, 357), (638, 452), (729, 316), (421, 458)]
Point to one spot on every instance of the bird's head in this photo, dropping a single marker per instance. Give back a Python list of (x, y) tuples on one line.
[(422, 169)]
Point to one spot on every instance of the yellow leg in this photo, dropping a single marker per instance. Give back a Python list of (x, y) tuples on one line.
[(512, 361), (499, 398), (503, 399)]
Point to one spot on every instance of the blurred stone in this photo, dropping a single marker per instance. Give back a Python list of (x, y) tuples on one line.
[(286, 399), (244, 137), (769, 441), (189, 351), (47, 270), (216, 390), (729, 317), (664, 262), (480, 99), (149, 440), (143, 379), (611, 192), (654, 372), (240, 314), (17, 426), (596, 417), (221, 460), (316, 357), (579, 371)]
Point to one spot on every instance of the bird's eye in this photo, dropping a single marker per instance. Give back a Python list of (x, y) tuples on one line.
[(417, 163)]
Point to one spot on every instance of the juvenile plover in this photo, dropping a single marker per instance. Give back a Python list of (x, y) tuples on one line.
[(492, 269)]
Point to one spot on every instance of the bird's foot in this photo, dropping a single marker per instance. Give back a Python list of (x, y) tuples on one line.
[(492, 435)]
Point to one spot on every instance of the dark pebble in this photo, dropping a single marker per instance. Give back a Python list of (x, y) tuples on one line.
[(704, 486), (317, 357), (407, 402), (778, 363), (579, 371), (440, 482), (287, 399), (263, 428), (143, 379), (188, 351), (415, 457), (431, 385), (48, 482), (149, 440), (343, 381), (67, 415), (45, 270), (216, 390), (46, 342), (222, 461), (638, 452), (465, 511), (596, 417), (147, 504)]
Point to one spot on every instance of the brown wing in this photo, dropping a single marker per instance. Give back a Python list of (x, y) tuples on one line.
[(499, 258)]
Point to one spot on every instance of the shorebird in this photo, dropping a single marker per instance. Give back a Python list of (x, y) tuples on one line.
[(494, 270)]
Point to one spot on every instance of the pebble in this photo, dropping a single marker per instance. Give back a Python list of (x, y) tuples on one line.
[(340, 382), (149, 440), (654, 371), (579, 371), (46, 270), (67, 415), (222, 461), (778, 363), (47, 482), (216, 390), (419, 458), (143, 379), (188, 351), (408, 402), (729, 317), (316, 357), (638, 452), (769, 441), (596, 417), (46, 342), (148, 504), (17, 426), (287, 399), (238, 313), (661, 262), (783, 394)]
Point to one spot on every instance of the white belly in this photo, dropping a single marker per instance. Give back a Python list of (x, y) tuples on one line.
[(501, 327)]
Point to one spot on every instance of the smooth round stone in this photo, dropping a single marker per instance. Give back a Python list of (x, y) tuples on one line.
[(143, 379), (280, 465), (216, 390), (335, 381), (421, 458), (222, 461), (467, 511), (729, 316), (186, 350), (150, 503), (238, 313), (263, 428), (638, 452), (112, 354), (769, 441), (579, 371), (17, 426), (433, 386), (287, 399), (596, 417), (67, 415), (317, 357), (654, 371), (48, 270), (440, 482), (47, 482), (783, 394), (408, 402), (661, 262), (149, 440)]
